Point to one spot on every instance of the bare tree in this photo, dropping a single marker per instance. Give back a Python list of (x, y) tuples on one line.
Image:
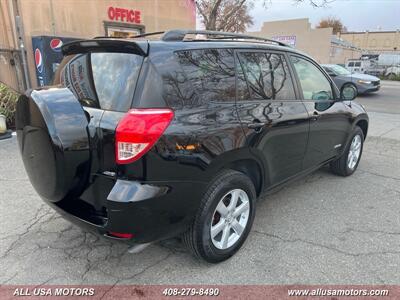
[(239, 19), (334, 23), (233, 15), (316, 3), (225, 15)]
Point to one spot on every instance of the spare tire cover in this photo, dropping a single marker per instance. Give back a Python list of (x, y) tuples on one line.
[(53, 140)]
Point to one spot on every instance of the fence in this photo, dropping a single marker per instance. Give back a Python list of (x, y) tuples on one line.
[(11, 72)]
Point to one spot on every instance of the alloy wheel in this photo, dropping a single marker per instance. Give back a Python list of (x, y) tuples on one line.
[(354, 152), (230, 219)]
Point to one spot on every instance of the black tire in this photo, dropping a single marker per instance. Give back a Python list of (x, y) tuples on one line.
[(340, 166), (348, 85), (198, 238)]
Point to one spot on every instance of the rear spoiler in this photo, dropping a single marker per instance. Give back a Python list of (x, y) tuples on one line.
[(105, 45)]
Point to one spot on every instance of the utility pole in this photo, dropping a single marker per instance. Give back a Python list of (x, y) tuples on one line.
[(21, 44), (21, 47)]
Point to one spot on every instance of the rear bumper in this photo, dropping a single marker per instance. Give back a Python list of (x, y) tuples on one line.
[(150, 211)]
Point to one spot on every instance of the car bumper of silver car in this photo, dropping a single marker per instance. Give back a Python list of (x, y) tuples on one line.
[(368, 88)]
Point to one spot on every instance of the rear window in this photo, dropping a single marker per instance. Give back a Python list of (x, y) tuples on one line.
[(102, 80)]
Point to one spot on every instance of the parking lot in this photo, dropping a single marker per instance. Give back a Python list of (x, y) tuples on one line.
[(321, 229)]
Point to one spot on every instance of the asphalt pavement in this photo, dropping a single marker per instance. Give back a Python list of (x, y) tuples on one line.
[(321, 229)]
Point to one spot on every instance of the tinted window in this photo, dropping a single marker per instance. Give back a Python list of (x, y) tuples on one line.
[(103, 80), (357, 64), (351, 64), (210, 74), (313, 82), (264, 75), (115, 76)]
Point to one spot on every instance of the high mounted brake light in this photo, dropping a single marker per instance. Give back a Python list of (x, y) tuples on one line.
[(138, 131)]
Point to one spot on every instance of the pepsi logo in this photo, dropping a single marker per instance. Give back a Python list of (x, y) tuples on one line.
[(39, 60), (56, 45)]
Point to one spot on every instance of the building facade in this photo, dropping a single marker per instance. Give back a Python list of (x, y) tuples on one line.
[(374, 42), (317, 42), (78, 19)]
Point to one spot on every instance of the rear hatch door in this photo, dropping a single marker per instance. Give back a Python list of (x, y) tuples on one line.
[(68, 149)]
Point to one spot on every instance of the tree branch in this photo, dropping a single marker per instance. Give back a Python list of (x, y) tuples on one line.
[(201, 11), (231, 13)]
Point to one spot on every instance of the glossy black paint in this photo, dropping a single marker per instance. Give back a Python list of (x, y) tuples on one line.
[(53, 142), (68, 147)]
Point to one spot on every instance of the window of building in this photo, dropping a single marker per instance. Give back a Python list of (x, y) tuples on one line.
[(263, 75), (122, 30), (313, 82)]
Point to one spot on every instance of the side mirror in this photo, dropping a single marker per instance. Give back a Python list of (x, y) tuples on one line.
[(331, 74), (349, 92), (321, 96)]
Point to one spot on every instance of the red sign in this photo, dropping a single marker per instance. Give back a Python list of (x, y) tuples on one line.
[(124, 15)]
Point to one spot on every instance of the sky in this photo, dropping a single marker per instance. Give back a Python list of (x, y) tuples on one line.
[(356, 15)]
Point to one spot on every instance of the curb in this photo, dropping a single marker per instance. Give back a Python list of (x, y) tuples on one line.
[(6, 135)]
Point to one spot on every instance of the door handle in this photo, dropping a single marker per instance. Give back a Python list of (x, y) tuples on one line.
[(256, 126), (315, 116)]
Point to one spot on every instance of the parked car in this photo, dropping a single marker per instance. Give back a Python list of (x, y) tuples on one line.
[(357, 65), (345, 79), (365, 66), (393, 72), (145, 140)]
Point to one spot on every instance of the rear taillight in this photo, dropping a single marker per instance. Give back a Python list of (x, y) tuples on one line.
[(138, 131)]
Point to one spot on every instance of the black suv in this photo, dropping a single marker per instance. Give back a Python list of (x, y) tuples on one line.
[(145, 139)]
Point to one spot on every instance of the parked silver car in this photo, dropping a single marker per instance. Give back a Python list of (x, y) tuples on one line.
[(344, 80)]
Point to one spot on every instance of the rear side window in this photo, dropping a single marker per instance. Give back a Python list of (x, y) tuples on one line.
[(102, 80), (263, 75), (357, 64), (351, 64), (209, 73)]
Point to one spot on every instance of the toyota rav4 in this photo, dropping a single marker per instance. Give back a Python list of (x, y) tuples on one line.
[(144, 139)]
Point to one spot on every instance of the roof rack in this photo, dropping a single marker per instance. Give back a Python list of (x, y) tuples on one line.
[(179, 35)]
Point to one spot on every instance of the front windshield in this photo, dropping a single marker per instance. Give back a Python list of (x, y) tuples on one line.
[(339, 70)]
